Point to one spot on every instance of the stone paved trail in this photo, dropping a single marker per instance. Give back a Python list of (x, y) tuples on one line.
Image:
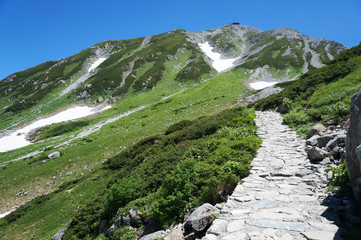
[(280, 199)]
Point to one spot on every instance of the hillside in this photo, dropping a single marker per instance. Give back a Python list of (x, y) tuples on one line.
[(167, 118), (321, 95)]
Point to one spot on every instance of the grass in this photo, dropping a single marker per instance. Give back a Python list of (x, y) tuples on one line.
[(209, 97)]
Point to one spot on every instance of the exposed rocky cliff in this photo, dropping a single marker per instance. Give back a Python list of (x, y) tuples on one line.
[(353, 146)]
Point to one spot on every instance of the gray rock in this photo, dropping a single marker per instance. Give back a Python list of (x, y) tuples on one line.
[(122, 221), (59, 235), (235, 236), (218, 226), (353, 147), (155, 235), (100, 99), (257, 204), (110, 231), (175, 234), (54, 155), (318, 128), (319, 235), (340, 138), (279, 224), (135, 217), (312, 141), (102, 226), (316, 154), (323, 140), (201, 218), (282, 109)]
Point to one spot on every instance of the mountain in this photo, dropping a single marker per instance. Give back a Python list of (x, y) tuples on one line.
[(112, 69), (165, 101)]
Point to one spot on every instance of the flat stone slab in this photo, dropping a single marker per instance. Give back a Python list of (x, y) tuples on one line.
[(278, 224), (319, 235), (235, 236)]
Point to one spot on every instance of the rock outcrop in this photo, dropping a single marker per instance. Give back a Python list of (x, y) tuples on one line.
[(353, 146)]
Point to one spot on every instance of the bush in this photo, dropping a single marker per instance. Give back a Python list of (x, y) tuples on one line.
[(296, 118), (338, 110)]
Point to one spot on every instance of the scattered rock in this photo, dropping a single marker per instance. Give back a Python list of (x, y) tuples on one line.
[(135, 217), (312, 141), (54, 155), (316, 154), (323, 140), (317, 129), (200, 219), (175, 234), (155, 235), (282, 109), (339, 139)]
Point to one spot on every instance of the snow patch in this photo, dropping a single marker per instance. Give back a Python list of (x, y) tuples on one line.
[(18, 139), (219, 63), (261, 84), (96, 64), (5, 214)]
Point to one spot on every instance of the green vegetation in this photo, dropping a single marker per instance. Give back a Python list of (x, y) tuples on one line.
[(57, 130), (271, 55), (83, 157), (321, 94), (189, 144), (165, 176)]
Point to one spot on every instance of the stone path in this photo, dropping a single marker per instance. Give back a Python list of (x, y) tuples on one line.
[(280, 199)]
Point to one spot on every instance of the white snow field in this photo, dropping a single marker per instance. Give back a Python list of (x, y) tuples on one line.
[(220, 64), (261, 84), (17, 139), (96, 64)]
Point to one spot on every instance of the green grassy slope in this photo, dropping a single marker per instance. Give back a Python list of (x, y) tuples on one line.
[(321, 94), (209, 97), (132, 66)]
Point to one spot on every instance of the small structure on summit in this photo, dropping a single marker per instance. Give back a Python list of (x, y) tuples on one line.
[(236, 23)]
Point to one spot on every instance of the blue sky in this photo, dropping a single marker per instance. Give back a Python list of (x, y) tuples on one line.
[(34, 31)]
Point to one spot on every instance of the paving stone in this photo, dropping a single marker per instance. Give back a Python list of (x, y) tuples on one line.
[(235, 236), (279, 224), (257, 204), (319, 235), (218, 226), (235, 225), (279, 199), (286, 236)]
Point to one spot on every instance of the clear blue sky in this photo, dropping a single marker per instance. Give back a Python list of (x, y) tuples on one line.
[(34, 31)]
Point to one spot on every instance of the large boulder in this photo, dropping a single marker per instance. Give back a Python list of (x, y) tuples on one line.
[(200, 219), (353, 147)]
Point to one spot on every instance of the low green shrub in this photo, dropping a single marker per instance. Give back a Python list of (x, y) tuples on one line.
[(296, 118)]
